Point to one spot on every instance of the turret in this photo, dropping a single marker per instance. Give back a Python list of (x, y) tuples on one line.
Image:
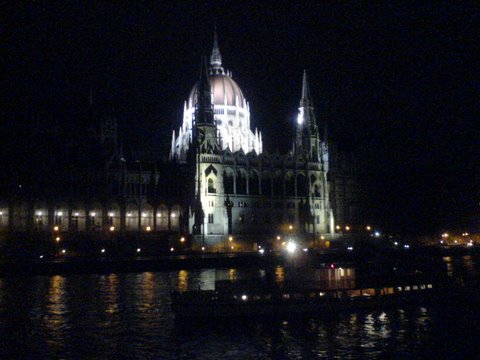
[(307, 138)]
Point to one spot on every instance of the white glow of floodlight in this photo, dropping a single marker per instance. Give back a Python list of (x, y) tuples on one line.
[(291, 247), (300, 116)]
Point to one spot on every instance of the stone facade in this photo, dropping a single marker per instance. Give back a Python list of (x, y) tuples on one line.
[(218, 183)]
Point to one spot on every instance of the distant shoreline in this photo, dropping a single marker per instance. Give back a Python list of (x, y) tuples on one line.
[(96, 265)]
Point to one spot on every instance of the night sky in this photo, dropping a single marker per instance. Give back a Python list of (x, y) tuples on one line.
[(398, 83)]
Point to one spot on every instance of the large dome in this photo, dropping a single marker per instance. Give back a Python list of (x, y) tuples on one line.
[(221, 85)]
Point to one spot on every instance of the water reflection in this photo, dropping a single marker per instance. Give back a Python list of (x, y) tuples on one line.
[(129, 316), (182, 280), (279, 274), (448, 262)]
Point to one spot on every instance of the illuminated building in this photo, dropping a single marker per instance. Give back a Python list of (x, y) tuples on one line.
[(218, 179)]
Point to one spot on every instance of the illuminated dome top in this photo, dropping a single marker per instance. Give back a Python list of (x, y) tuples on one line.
[(231, 113), (224, 89)]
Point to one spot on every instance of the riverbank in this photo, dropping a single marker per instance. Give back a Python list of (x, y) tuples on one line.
[(425, 258)]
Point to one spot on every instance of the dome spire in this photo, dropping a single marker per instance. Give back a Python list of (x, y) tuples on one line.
[(306, 100), (216, 57)]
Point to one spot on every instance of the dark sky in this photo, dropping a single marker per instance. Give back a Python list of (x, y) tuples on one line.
[(398, 82)]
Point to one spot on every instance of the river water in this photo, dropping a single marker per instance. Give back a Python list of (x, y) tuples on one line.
[(129, 316)]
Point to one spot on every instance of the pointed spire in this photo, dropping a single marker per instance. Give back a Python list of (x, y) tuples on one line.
[(306, 100), (216, 57), (204, 107), (204, 73)]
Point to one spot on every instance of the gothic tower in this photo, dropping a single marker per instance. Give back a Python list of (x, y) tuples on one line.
[(307, 137)]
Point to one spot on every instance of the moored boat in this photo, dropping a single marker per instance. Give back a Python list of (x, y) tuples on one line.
[(260, 298)]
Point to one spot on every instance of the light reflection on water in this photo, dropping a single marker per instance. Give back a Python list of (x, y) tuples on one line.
[(129, 316)]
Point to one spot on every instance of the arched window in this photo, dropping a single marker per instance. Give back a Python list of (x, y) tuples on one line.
[(228, 182), (266, 184), (211, 186), (302, 188), (290, 185), (253, 185), (241, 183), (278, 185)]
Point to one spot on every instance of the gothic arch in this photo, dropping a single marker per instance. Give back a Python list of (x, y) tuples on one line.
[(228, 181), (241, 183), (289, 184), (266, 183), (254, 183), (302, 186), (162, 217), (278, 183)]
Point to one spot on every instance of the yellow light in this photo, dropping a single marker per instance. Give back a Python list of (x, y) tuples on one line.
[(57, 239), (347, 228), (148, 228), (368, 228), (322, 237), (232, 247), (182, 239), (112, 228), (144, 215), (55, 228), (173, 215), (129, 214), (110, 214), (278, 237), (337, 227), (290, 227), (230, 238)]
